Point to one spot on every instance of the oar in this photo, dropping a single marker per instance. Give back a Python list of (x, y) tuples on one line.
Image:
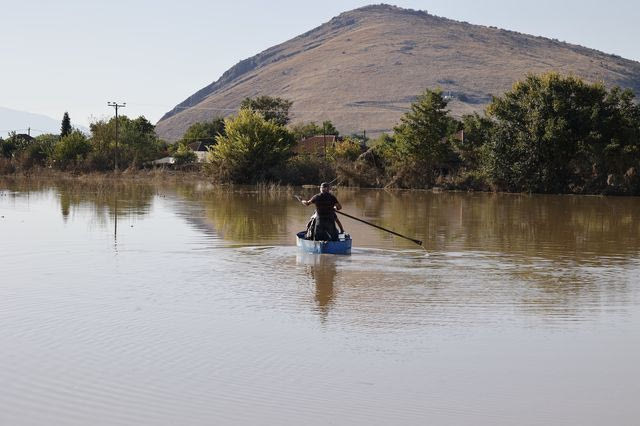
[(418, 242)]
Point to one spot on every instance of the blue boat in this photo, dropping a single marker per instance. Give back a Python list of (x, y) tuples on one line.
[(342, 246)]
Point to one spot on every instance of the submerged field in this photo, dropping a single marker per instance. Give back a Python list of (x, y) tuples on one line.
[(166, 303)]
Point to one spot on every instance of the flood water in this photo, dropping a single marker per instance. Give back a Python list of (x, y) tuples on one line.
[(179, 304)]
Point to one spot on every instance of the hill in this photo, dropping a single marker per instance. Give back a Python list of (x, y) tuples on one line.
[(20, 121), (363, 68)]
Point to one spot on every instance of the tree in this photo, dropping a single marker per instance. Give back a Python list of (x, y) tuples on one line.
[(475, 137), (252, 149), (271, 108), (329, 129), (71, 150), (137, 142), (184, 155), (14, 144), (7, 147), (305, 130), (204, 131), (558, 134), (421, 139), (39, 151), (348, 149), (65, 128)]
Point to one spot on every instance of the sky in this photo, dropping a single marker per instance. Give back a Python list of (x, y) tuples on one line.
[(77, 55)]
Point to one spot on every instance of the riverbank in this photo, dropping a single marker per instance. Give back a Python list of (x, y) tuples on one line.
[(199, 175)]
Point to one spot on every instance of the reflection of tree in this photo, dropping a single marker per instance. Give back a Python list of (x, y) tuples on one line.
[(100, 196), (245, 217), (534, 225), (322, 268), (106, 199), (243, 214)]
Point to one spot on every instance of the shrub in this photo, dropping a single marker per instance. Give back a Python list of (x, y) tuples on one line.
[(348, 149), (252, 150), (183, 155), (71, 150)]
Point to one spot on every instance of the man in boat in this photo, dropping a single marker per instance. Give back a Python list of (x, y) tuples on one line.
[(326, 203)]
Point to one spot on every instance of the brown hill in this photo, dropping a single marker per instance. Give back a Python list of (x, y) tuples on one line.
[(362, 69)]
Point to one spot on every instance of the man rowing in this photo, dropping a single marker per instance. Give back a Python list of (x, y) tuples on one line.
[(324, 226)]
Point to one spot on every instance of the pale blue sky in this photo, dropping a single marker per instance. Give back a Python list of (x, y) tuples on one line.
[(75, 55)]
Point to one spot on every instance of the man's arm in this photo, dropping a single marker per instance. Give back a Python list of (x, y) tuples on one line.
[(309, 201), (338, 206)]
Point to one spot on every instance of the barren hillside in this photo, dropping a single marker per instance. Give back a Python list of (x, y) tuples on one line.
[(363, 68)]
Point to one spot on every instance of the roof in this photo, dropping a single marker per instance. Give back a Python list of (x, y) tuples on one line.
[(25, 137), (200, 145), (315, 144)]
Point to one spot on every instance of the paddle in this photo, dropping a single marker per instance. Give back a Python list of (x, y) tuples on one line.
[(418, 242)]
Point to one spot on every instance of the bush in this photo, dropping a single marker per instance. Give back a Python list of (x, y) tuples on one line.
[(555, 134), (137, 142), (305, 170), (252, 150), (183, 155), (71, 150), (349, 149)]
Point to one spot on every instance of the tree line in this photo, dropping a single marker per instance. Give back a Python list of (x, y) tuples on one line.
[(73, 150), (549, 134)]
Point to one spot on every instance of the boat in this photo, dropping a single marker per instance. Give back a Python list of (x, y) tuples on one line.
[(342, 246)]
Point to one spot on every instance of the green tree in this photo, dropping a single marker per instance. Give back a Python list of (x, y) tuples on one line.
[(271, 108), (252, 149), (14, 144), (184, 155), (71, 150), (471, 148), (7, 147), (137, 142), (348, 149), (39, 151), (328, 128), (204, 131), (421, 139), (559, 134), (65, 128), (305, 130)]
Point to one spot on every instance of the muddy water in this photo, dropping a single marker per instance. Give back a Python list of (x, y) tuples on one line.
[(180, 304)]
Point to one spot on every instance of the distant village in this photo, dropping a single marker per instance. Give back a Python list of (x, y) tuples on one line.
[(550, 134)]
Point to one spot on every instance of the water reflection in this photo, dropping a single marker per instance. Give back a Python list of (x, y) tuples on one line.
[(105, 199), (595, 230), (208, 300), (550, 255), (322, 269)]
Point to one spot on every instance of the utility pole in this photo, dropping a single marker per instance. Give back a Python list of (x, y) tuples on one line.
[(116, 106), (324, 138)]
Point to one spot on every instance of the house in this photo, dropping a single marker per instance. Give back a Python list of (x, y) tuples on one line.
[(316, 145), (25, 137), (201, 148)]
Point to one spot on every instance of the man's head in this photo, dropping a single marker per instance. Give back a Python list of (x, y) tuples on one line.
[(325, 187)]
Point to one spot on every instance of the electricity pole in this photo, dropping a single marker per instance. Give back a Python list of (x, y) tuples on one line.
[(116, 106)]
